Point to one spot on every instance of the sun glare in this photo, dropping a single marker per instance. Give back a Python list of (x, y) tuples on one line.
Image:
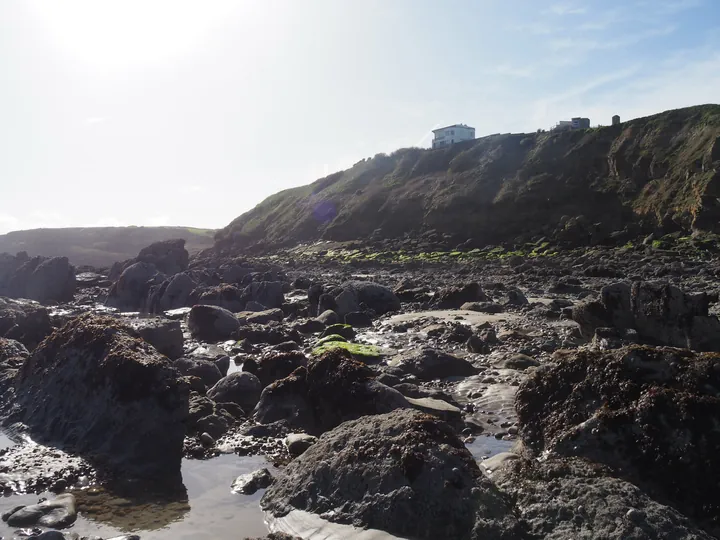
[(126, 34)]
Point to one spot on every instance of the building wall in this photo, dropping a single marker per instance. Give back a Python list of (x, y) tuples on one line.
[(452, 135)]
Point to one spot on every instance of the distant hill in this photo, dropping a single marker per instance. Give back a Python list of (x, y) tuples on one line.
[(100, 246), (647, 173)]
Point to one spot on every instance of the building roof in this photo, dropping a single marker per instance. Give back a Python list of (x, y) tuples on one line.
[(453, 126)]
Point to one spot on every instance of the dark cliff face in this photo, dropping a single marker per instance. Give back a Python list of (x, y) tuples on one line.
[(659, 171)]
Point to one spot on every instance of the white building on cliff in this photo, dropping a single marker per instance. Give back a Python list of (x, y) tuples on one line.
[(452, 134)]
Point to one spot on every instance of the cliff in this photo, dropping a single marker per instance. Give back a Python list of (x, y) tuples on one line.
[(658, 172)]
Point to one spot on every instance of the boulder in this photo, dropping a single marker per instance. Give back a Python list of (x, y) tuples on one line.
[(130, 292), (358, 319), (212, 323), (26, 322), (643, 412), (94, 389), (483, 307), (45, 280), (225, 296), (332, 389), (661, 314), (173, 293), (454, 297), (298, 443), (58, 513), (310, 326), (328, 317), (223, 364), (405, 473), (240, 387), (356, 294), (268, 293), (275, 366), (247, 484), (517, 361), (263, 317), (168, 256), (344, 330), (163, 334), (205, 370), (428, 364)]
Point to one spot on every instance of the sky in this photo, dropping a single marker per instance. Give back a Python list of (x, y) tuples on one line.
[(185, 112)]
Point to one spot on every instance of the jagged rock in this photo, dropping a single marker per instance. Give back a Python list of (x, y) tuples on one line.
[(165, 335), (275, 367), (173, 293), (642, 411), (24, 321), (405, 473), (332, 389), (43, 279), (428, 364), (455, 297), (11, 349), (205, 370), (247, 484), (660, 313), (239, 387), (212, 323), (130, 292), (58, 513), (515, 297), (94, 389)]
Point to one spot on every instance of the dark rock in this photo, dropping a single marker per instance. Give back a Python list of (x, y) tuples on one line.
[(23, 321), (519, 362), (265, 316), (404, 472), (212, 323), (660, 313), (286, 346), (641, 411), (214, 425), (483, 307), (239, 387), (223, 364), (455, 297), (131, 291), (475, 344), (225, 296), (275, 367), (268, 293), (92, 388), (173, 293), (515, 297), (169, 256), (165, 335), (43, 279), (310, 326), (332, 389), (376, 297), (358, 319), (205, 370), (427, 364), (328, 317), (58, 513), (248, 484)]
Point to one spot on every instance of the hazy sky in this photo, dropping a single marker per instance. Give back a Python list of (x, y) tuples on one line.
[(160, 112)]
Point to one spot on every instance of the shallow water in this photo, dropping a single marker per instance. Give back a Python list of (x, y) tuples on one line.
[(484, 447), (5, 441), (210, 510)]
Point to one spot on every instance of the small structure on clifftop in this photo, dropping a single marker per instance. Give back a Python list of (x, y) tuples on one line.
[(616, 120), (452, 134)]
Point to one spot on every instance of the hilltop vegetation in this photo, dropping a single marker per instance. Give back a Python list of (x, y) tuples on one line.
[(100, 246), (579, 187)]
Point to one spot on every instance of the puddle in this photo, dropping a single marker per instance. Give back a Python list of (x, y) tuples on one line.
[(5, 441), (208, 511), (486, 447)]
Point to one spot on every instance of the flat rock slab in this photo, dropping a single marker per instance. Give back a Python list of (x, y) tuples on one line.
[(453, 315)]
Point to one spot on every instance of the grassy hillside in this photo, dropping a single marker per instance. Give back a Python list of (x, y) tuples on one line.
[(100, 246), (656, 171)]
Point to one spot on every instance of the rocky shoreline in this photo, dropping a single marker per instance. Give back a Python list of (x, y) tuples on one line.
[(368, 385)]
